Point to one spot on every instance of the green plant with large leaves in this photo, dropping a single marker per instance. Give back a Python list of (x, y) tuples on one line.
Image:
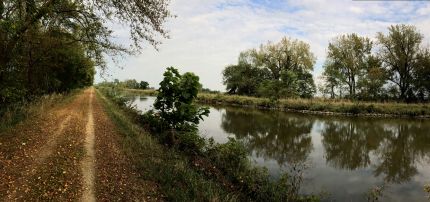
[(175, 100)]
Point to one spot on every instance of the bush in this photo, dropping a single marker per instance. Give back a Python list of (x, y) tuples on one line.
[(231, 157), (175, 100), (191, 143)]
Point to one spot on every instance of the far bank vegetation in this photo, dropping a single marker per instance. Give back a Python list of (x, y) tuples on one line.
[(394, 67)]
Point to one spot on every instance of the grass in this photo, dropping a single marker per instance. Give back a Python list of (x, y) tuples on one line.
[(182, 168), (314, 106), (12, 115), (176, 178)]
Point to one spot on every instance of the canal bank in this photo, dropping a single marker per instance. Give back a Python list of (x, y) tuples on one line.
[(349, 158), (313, 106), (223, 168)]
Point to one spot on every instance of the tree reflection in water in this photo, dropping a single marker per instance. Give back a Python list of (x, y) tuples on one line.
[(346, 151), (397, 146), (347, 144), (391, 148), (271, 135)]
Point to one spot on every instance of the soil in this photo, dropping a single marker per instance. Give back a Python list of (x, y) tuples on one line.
[(71, 152)]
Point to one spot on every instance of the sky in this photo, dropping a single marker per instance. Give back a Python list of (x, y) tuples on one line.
[(208, 35)]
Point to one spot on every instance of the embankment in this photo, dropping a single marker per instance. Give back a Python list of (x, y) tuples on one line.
[(314, 106)]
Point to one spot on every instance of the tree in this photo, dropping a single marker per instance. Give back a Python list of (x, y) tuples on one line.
[(286, 55), (275, 70), (37, 37), (143, 85), (131, 83), (243, 78), (175, 100), (399, 51), (86, 19), (422, 75), (347, 55), (372, 80), (332, 79)]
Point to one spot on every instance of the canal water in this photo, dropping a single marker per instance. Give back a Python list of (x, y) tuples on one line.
[(343, 157)]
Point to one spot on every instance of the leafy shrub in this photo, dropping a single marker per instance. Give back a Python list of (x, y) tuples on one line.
[(175, 100), (191, 143), (230, 157)]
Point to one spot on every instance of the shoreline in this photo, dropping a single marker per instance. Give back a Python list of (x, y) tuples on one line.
[(317, 106)]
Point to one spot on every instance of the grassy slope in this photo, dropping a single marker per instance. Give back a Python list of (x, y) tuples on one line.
[(315, 106), (177, 180)]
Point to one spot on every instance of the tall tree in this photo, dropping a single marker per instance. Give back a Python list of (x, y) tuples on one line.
[(275, 70), (332, 79), (244, 77), (34, 31), (399, 50), (371, 80), (347, 54), (288, 54), (422, 75)]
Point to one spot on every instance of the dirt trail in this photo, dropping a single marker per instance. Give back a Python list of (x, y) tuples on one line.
[(39, 157), (88, 163), (73, 152)]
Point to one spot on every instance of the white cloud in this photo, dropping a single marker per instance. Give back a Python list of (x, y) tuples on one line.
[(208, 35)]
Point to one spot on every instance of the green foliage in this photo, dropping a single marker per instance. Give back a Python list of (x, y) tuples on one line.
[(422, 76), (347, 57), (371, 81), (231, 156), (143, 85), (131, 83), (276, 70), (175, 99), (288, 54), (398, 71), (128, 84), (399, 52), (244, 78), (53, 46)]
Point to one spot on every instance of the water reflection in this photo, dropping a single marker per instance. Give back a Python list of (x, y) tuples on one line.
[(347, 144), (401, 150), (398, 146), (347, 156), (274, 135)]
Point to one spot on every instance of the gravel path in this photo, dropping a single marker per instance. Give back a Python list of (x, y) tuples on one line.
[(72, 152)]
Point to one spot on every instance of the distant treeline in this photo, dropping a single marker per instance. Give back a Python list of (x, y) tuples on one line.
[(394, 67), (133, 84), (128, 83), (51, 46)]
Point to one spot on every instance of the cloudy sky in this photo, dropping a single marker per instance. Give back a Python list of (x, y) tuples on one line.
[(208, 35)]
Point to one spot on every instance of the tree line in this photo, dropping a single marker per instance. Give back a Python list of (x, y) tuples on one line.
[(394, 67), (51, 46), (128, 83)]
